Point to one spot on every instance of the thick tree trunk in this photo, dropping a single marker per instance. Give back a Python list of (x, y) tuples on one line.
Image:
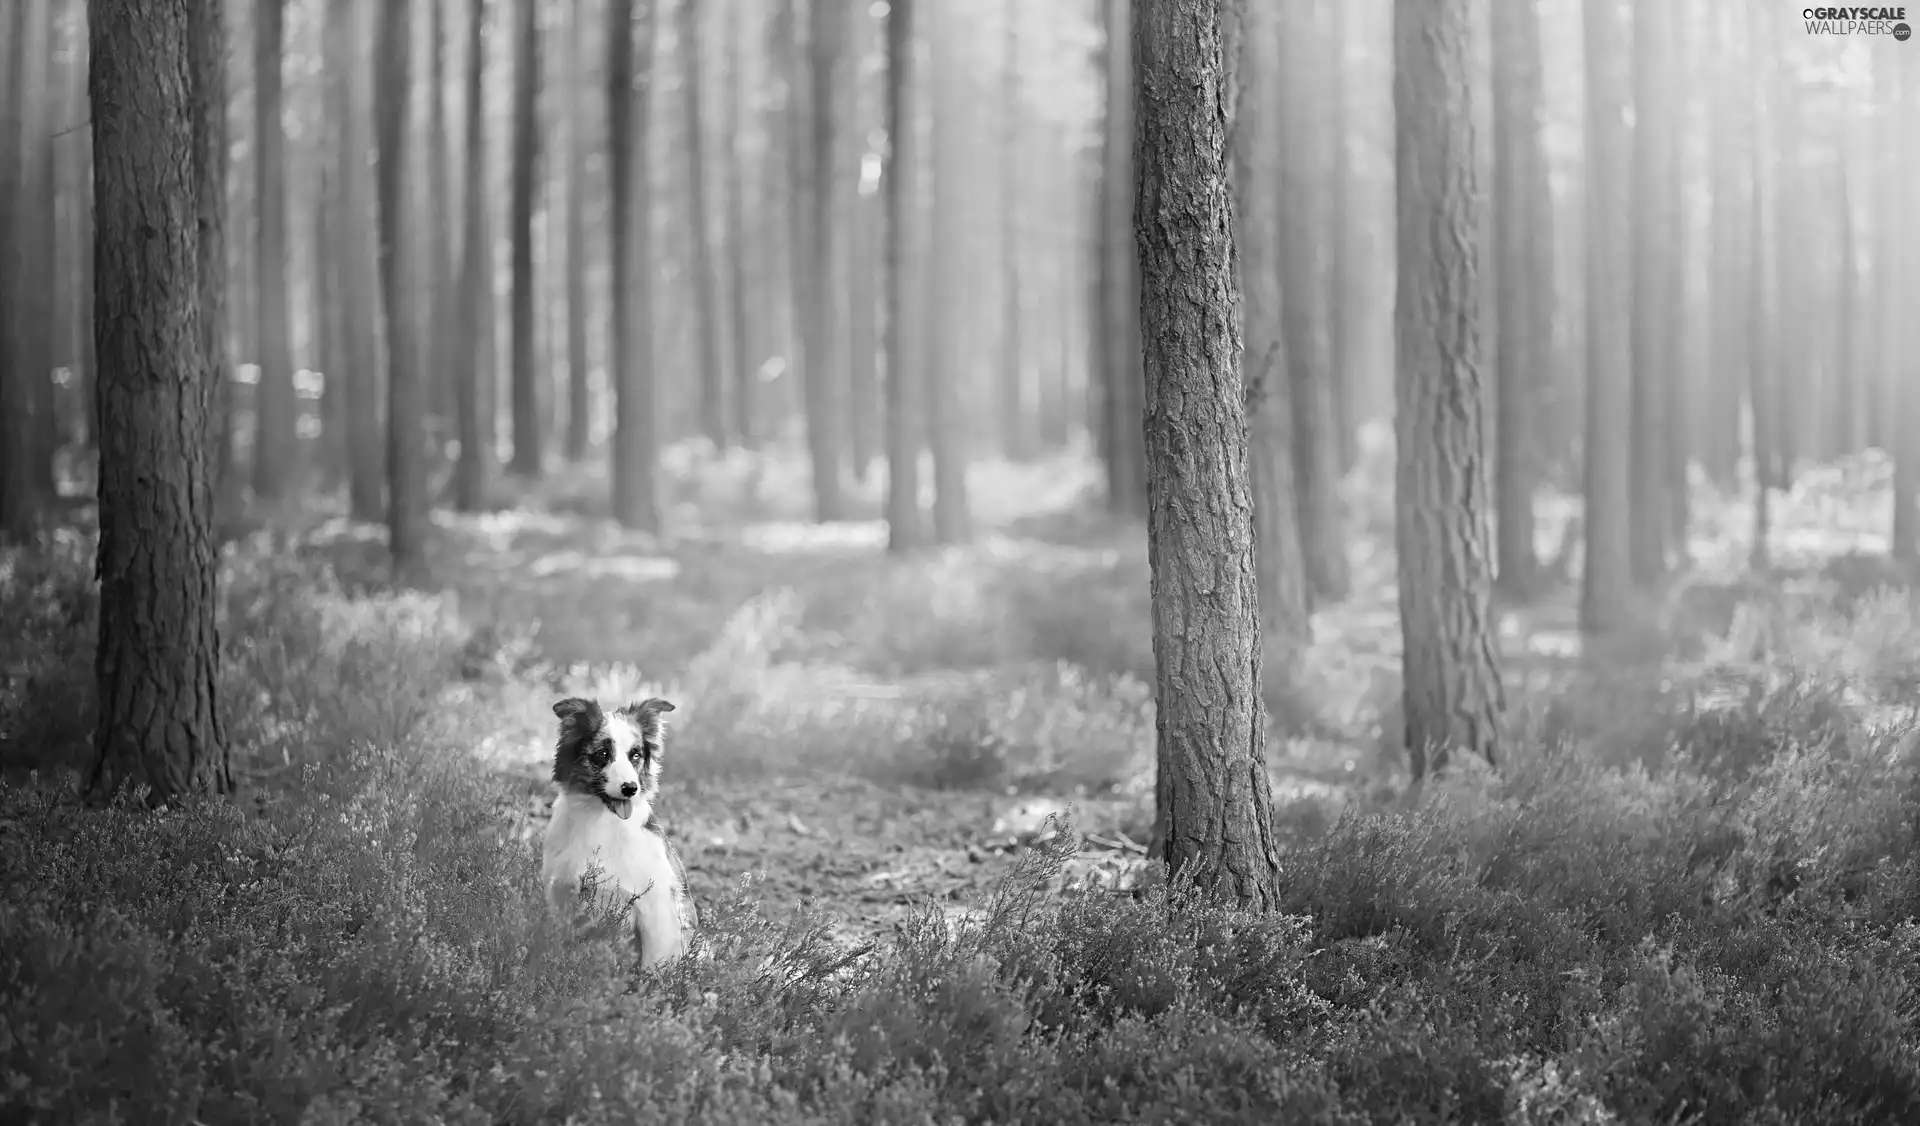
[(159, 653), (1254, 42), (406, 476), (1608, 577), (526, 151), (473, 468), (1523, 241), (1449, 671), (946, 425), (1217, 811), (211, 161), (636, 489), (1304, 307), (706, 280), (579, 403), (1123, 377), (905, 271)]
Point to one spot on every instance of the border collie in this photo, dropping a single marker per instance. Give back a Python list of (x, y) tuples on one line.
[(607, 767)]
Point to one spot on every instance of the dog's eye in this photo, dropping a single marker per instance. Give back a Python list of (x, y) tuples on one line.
[(634, 755)]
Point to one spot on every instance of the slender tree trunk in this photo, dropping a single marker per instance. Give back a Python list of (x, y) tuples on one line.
[(905, 270), (1675, 446), (80, 148), (1608, 571), (1898, 355), (20, 498), (445, 296), (526, 149), (473, 469), (1449, 670), (1126, 467), (1016, 413), (1730, 256), (350, 106), (1217, 813), (1843, 438), (1764, 298), (1347, 317), (864, 264), (155, 86), (406, 477), (276, 441), (1651, 299), (1254, 42), (38, 250), (824, 283), (1304, 306), (706, 280), (745, 360), (636, 489), (578, 399), (946, 425)]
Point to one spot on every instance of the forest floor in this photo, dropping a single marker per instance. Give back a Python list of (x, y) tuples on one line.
[(867, 744)]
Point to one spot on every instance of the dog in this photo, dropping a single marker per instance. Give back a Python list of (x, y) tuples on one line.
[(607, 768)]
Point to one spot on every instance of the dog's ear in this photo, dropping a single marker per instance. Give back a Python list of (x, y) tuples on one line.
[(574, 709), (649, 713)]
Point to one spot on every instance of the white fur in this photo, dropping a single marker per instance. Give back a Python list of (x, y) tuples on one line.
[(620, 771), (633, 862)]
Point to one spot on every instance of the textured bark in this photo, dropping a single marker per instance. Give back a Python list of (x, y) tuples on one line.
[(406, 468), (1652, 302), (210, 151), (1449, 672), (351, 107), (746, 361), (636, 489), (1304, 305), (824, 281), (276, 441), (1608, 576), (1523, 246), (578, 401), (1120, 270), (473, 468), (946, 428), (905, 269), (706, 280), (526, 154), (158, 655), (1253, 41), (1217, 812)]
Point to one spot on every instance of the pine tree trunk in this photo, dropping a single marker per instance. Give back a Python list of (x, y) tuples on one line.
[(1254, 41), (474, 466), (1126, 464), (579, 404), (862, 217), (526, 149), (636, 490), (1651, 299), (153, 90), (746, 361), (406, 476), (905, 271), (946, 425), (349, 104), (1905, 387), (276, 442), (445, 295), (1217, 810), (1016, 413), (713, 410), (1608, 574), (825, 278), (1449, 670), (20, 498)]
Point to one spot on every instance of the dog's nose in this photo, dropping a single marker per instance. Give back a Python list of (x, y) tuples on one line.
[(628, 789)]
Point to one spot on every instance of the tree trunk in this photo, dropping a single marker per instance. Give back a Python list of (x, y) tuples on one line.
[(158, 658), (1217, 815), (1729, 254), (406, 477), (746, 362), (713, 409), (1764, 295), (38, 252), (1124, 378), (1651, 299), (579, 403), (864, 263), (1304, 308), (1016, 413), (276, 439), (1449, 671), (1347, 319), (905, 271), (19, 493), (823, 280), (1897, 357), (1675, 446), (636, 490), (445, 294), (329, 324), (526, 149), (80, 196), (351, 107), (1523, 240), (211, 161), (473, 468), (1253, 41), (1608, 576), (946, 424)]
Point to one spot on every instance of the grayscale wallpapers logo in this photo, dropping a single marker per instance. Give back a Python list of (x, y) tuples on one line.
[(1858, 21)]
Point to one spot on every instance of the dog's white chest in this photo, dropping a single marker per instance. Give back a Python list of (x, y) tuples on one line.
[(633, 862)]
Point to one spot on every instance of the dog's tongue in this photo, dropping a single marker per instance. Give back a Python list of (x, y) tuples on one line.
[(622, 808)]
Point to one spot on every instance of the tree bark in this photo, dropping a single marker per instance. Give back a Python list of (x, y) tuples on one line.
[(445, 295), (946, 425), (351, 107), (636, 489), (1450, 674), (579, 401), (20, 498), (1016, 412), (864, 262), (406, 476), (824, 282), (706, 280), (1651, 299), (746, 362), (1217, 812), (1607, 580), (474, 466), (526, 152), (1304, 308), (1253, 41), (1123, 374), (276, 441), (905, 271), (158, 658), (1523, 240)]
